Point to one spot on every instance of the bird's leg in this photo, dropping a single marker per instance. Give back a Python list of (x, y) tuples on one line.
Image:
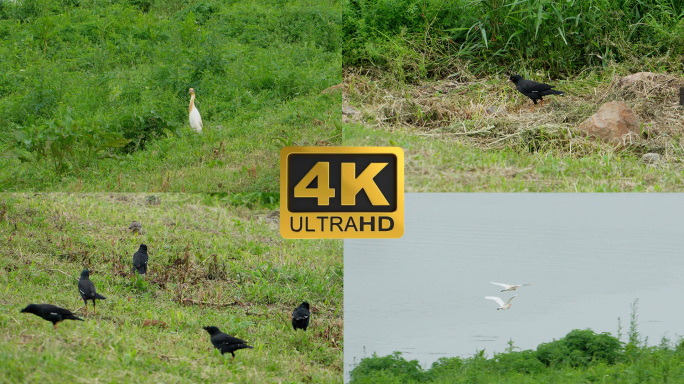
[(94, 312), (86, 307), (542, 103), (54, 325)]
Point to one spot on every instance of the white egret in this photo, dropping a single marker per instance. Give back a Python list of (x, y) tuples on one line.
[(502, 306), (510, 287), (195, 118)]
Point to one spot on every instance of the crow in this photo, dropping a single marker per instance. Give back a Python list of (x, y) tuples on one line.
[(533, 90), (300, 316), (140, 260), (87, 290), (51, 313), (225, 342)]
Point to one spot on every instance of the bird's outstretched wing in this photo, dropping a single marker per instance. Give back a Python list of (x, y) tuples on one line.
[(497, 299), (503, 285), (511, 299)]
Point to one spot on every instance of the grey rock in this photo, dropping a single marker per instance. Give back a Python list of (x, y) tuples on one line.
[(651, 158)]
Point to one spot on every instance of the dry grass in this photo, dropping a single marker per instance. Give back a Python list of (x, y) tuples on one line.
[(490, 114)]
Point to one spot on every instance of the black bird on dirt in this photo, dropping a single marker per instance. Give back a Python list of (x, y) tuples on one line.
[(87, 290), (140, 260), (51, 313), (225, 342), (533, 90), (300, 316)]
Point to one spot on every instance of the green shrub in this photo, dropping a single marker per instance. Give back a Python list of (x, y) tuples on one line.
[(391, 367), (561, 37), (580, 348)]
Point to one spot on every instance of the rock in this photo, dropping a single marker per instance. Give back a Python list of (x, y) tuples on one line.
[(334, 88), (135, 227), (349, 113), (651, 158), (638, 77), (614, 123), (349, 110)]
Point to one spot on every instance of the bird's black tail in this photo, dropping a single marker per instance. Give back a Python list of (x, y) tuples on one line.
[(100, 297)]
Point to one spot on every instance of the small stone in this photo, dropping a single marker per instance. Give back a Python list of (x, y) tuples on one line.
[(135, 227), (638, 77), (651, 158), (349, 110)]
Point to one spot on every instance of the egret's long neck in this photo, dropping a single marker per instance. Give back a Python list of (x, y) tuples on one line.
[(192, 102)]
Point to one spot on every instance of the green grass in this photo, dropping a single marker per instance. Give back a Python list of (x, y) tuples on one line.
[(210, 264), (453, 144), (434, 38), (447, 165), (94, 94)]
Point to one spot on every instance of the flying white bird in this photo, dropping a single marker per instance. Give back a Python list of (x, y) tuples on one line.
[(502, 306), (510, 287), (195, 118)]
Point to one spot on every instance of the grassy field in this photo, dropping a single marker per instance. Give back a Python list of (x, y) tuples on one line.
[(94, 94), (437, 86), (210, 264)]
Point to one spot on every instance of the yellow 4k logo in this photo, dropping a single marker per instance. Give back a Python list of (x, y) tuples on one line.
[(351, 184), (341, 192)]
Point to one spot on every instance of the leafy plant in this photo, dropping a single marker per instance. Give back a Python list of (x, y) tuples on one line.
[(63, 144)]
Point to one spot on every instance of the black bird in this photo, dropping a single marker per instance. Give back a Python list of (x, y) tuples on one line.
[(225, 342), (51, 313), (533, 90), (87, 290), (140, 260), (300, 316)]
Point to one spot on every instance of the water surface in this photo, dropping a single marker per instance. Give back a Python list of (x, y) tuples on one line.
[(588, 256)]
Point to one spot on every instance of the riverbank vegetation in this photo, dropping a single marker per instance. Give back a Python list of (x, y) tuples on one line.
[(582, 356)]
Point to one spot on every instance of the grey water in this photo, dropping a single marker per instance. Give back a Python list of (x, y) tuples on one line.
[(587, 256)]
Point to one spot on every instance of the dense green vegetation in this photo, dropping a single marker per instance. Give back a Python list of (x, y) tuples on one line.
[(210, 263), (94, 94), (582, 356), (415, 39)]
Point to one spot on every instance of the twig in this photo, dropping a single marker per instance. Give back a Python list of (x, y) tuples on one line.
[(200, 302), (506, 137), (485, 129)]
